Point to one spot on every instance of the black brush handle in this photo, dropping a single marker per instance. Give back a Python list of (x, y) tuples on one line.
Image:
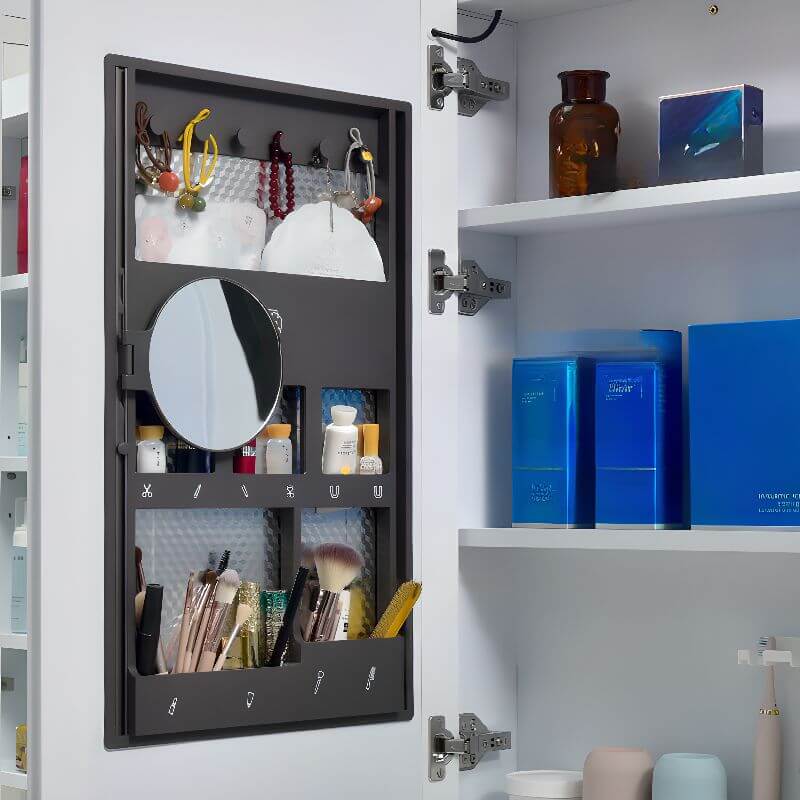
[(149, 630), (292, 605)]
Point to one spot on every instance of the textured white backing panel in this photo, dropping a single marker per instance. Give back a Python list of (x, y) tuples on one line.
[(653, 48)]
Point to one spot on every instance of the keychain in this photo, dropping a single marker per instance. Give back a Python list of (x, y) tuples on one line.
[(189, 198), (366, 210)]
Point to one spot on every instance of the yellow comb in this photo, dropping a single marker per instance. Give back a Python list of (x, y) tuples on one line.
[(397, 611)]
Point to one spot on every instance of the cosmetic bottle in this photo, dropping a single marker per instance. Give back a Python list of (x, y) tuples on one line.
[(22, 400), (339, 451), (151, 452), (244, 460), (278, 450), (19, 569), (370, 463), (190, 459)]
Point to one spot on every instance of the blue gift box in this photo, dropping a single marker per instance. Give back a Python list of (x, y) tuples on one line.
[(744, 402), (711, 134), (638, 445), (552, 443)]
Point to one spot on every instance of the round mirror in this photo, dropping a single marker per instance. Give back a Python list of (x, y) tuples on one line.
[(215, 364)]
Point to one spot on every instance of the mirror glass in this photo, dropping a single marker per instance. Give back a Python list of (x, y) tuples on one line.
[(215, 364)]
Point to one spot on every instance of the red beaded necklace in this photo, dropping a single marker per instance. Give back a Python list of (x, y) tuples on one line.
[(278, 156)]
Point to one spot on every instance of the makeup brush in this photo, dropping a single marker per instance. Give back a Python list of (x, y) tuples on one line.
[(223, 562), (242, 615), (227, 586), (398, 611), (200, 617), (138, 607), (338, 565), (311, 590), (292, 605), (191, 588), (141, 583)]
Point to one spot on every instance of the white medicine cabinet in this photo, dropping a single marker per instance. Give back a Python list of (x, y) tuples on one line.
[(567, 640)]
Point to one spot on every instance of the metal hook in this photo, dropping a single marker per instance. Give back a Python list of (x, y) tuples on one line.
[(455, 37)]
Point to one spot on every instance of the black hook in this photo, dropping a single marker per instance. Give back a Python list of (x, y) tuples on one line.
[(437, 34)]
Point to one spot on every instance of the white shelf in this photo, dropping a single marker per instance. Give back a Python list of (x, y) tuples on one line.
[(13, 464), (780, 191), (13, 284), (644, 540), (16, 92), (10, 776), (521, 10), (13, 641)]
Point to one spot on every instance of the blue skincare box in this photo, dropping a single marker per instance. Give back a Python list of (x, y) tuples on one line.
[(744, 423), (711, 134), (553, 443), (638, 445)]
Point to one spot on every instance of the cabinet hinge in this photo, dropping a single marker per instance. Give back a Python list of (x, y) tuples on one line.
[(474, 89), (475, 740), (132, 351), (473, 287)]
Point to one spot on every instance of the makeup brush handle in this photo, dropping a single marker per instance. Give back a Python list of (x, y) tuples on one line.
[(206, 662), (224, 654), (328, 603)]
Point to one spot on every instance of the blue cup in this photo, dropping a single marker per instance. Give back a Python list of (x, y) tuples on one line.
[(689, 776)]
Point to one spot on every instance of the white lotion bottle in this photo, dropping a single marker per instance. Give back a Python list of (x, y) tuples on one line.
[(340, 448), (151, 452), (278, 449), (19, 569), (22, 400), (370, 463)]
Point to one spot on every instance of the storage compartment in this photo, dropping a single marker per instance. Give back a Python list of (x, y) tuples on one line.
[(594, 645)]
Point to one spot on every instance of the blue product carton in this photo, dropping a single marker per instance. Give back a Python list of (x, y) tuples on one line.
[(744, 406), (553, 443), (717, 133), (638, 449)]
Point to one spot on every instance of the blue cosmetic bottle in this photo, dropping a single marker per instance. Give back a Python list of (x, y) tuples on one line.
[(638, 451), (553, 443), (744, 401)]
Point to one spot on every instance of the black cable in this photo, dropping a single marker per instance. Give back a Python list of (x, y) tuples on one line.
[(455, 37)]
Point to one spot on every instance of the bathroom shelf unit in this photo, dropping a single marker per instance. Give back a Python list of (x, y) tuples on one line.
[(715, 198), (685, 541), (11, 777), (13, 641)]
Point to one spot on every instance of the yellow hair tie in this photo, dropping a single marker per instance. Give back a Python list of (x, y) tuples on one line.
[(189, 198)]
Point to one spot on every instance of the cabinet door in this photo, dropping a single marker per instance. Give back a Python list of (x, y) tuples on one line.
[(376, 49)]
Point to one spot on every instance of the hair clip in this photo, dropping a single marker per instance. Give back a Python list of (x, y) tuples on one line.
[(190, 197), (159, 173)]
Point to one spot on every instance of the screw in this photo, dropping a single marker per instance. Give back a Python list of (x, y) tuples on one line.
[(439, 772), (439, 102), (439, 306), (713, 9)]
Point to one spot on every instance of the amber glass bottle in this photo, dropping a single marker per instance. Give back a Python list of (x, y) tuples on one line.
[(584, 136)]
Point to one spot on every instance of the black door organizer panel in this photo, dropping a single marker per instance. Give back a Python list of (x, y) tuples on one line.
[(335, 333)]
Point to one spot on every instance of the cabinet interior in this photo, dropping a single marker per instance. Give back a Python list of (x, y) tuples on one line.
[(593, 648)]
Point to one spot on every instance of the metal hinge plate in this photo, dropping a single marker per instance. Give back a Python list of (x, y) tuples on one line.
[(473, 287), (475, 740), (474, 89)]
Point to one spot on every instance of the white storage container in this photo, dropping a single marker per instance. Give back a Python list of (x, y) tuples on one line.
[(545, 784)]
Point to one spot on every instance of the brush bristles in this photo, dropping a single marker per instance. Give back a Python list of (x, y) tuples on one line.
[(338, 565), (228, 586)]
